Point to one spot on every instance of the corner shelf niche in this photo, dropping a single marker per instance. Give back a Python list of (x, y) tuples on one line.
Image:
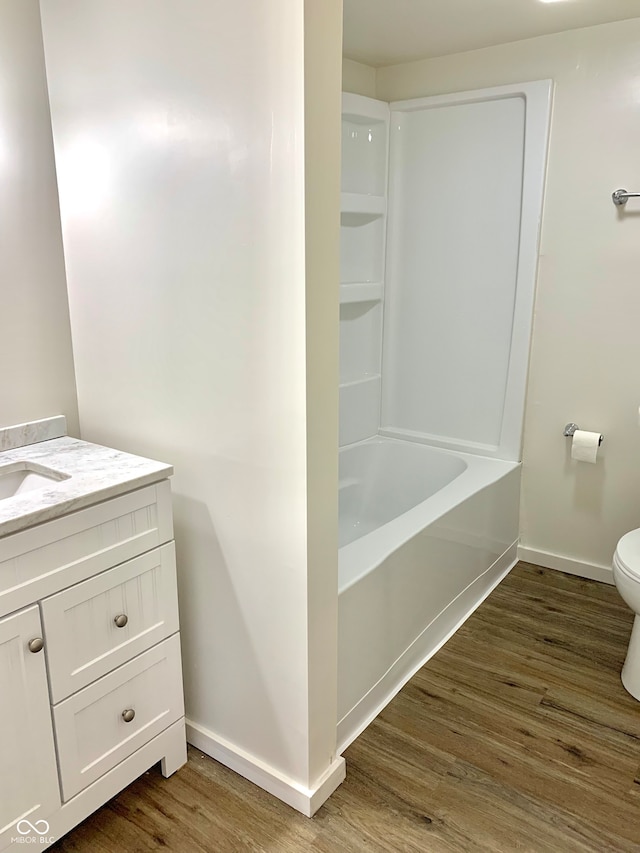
[(359, 408), (364, 145), (365, 133)]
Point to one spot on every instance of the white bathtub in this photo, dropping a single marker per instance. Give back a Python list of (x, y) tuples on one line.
[(426, 534)]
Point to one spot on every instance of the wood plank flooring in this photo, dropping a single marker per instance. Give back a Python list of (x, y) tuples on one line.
[(517, 736)]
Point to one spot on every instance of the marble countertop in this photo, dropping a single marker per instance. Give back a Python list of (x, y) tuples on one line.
[(94, 473)]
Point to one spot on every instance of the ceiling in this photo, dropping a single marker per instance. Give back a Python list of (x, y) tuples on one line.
[(385, 32)]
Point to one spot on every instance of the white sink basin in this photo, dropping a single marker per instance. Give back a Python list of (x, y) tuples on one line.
[(20, 477)]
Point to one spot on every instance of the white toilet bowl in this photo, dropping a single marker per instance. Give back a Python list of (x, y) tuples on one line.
[(626, 574)]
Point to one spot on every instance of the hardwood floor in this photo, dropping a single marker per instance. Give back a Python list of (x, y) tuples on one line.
[(517, 736)]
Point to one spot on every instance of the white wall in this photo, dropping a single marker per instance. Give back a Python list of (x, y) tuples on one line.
[(323, 48), (180, 142), (37, 378), (586, 347), (358, 78)]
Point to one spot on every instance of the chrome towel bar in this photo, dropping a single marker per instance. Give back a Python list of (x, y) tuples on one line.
[(621, 197)]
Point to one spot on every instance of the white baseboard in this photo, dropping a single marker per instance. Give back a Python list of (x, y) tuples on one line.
[(591, 571), (305, 800)]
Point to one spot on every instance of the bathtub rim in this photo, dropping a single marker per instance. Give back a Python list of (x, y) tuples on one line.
[(362, 556)]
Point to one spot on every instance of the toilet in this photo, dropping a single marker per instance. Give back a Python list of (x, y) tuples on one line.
[(626, 574)]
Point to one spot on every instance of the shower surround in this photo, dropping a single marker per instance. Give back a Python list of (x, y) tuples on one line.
[(437, 293)]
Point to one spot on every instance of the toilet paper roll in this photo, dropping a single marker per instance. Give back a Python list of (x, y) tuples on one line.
[(584, 447)]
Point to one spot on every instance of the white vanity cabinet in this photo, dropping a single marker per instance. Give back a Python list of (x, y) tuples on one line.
[(90, 673)]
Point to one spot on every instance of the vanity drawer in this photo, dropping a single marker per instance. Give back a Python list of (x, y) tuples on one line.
[(91, 732), (83, 638), (39, 561)]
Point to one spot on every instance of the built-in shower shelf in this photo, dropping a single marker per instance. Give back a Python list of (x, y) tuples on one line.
[(365, 159), (362, 110), (363, 120), (358, 209), (370, 379), (366, 291)]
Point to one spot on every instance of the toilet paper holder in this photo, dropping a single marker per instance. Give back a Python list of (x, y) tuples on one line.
[(571, 428)]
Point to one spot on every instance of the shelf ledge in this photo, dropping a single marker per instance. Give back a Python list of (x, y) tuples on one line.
[(369, 109), (367, 291), (368, 379), (356, 208)]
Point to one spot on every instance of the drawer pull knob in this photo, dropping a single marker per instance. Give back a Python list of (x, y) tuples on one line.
[(128, 715), (121, 620), (36, 645)]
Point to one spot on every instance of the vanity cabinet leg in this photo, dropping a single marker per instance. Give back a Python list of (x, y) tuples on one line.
[(176, 754)]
